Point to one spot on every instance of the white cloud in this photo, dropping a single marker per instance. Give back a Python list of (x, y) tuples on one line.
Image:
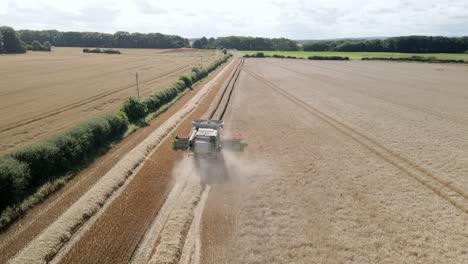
[(298, 19)]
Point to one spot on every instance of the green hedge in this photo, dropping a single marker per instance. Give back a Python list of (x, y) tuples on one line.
[(26, 169), (111, 51), (256, 55), (37, 46), (134, 109), (327, 58), (14, 177), (187, 80), (262, 55), (416, 58)]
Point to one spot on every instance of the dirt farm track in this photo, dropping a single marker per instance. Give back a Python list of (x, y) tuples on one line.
[(347, 162), (43, 93)]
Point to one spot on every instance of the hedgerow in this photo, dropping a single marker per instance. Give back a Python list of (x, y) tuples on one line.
[(25, 170), (187, 80), (327, 58), (37, 46), (416, 58), (256, 55), (111, 51), (134, 109)]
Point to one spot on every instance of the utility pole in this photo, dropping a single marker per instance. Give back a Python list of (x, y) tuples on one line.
[(138, 88)]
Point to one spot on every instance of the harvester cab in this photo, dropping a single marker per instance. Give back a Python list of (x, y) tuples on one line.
[(205, 139)]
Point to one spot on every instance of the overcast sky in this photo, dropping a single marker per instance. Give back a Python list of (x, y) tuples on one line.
[(296, 19)]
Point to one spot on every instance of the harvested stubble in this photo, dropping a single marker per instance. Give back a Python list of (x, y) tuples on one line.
[(172, 238)]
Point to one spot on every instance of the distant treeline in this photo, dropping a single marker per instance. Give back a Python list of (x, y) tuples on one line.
[(279, 56), (246, 43), (409, 44), (10, 41), (120, 39)]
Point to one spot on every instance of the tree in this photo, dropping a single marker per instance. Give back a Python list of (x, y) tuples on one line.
[(46, 45), (36, 46), (120, 39), (1, 44), (204, 42), (211, 43), (134, 109), (197, 44), (11, 41)]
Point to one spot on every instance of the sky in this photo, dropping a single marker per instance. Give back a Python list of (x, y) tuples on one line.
[(295, 19)]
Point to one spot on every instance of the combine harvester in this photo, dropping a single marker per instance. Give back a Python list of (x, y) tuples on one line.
[(206, 147), (205, 142)]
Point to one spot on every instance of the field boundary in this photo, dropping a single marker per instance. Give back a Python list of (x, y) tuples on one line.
[(416, 59)]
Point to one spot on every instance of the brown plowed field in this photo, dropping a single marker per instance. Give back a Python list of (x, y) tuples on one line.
[(348, 162), (37, 219), (42, 93)]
